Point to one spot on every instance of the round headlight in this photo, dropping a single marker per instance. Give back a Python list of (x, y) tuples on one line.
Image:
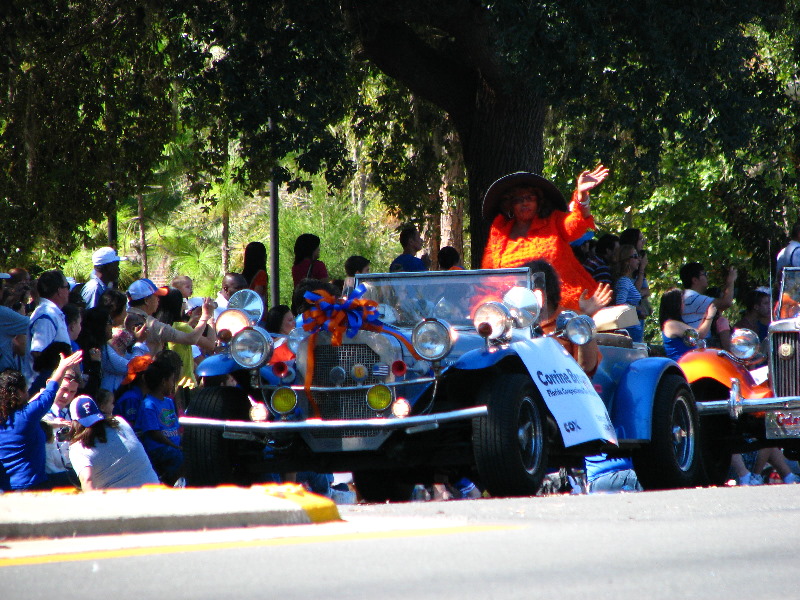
[(295, 337), (251, 347), (258, 413), (580, 330), (744, 343), (379, 397), (431, 339), (233, 319), (283, 400), (691, 338), (497, 316), (524, 306)]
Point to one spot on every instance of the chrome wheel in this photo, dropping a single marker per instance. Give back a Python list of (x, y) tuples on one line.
[(529, 435), (683, 433)]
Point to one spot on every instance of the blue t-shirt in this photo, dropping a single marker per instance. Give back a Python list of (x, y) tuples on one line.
[(407, 263), (127, 405), (22, 443), (674, 347), (157, 415)]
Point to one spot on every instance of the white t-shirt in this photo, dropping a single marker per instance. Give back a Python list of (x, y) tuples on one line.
[(121, 462), (695, 305)]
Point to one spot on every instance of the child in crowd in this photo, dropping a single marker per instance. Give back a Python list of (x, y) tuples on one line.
[(157, 422), (130, 394)]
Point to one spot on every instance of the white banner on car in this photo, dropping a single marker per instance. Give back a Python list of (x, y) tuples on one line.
[(567, 391)]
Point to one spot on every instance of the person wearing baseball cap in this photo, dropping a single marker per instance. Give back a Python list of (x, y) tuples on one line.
[(143, 302), (104, 451), (106, 272)]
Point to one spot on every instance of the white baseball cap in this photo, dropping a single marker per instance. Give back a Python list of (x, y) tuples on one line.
[(105, 255), (142, 288)]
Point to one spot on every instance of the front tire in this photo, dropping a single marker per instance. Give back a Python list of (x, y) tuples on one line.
[(210, 459), (672, 458), (510, 443)]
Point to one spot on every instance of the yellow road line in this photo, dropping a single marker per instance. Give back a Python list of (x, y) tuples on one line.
[(205, 547)]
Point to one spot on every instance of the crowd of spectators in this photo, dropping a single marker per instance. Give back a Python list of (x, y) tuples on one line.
[(93, 378)]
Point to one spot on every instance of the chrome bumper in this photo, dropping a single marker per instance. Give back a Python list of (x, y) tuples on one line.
[(735, 405), (410, 424)]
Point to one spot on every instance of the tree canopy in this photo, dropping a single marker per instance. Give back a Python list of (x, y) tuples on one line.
[(671, 95)]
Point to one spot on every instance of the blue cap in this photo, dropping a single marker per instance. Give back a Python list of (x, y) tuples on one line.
[(84, 410)]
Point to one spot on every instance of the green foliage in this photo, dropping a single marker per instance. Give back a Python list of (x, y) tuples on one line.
[(342, 231), (87, 110)]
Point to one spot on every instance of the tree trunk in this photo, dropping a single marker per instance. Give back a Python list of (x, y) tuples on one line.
[(226, 249), (142, 237), (111, 213), (452, 219), (504, 134)]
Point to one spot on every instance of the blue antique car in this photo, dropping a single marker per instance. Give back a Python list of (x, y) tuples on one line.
[(419, 375)]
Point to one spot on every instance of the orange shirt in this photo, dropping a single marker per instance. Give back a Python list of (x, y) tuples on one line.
[(546, 239)]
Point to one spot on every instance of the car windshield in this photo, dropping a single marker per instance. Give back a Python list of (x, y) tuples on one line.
[(789, 302), (406, 298)]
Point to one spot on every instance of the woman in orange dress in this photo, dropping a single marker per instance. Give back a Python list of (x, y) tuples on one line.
[(530, 220)]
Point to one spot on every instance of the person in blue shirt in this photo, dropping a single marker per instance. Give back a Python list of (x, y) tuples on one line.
[(157, 422), (412, 243), (673, 327), (22, 440), (106, 272)]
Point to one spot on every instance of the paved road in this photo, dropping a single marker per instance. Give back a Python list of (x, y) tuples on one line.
[(704, 543)]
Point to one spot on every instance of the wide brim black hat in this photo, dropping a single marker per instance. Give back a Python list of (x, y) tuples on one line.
[(496, 191)]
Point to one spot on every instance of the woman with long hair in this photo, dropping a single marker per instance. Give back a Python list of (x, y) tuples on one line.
[(104, 451), (93, 340), (306, 259), (22, 440), (254, 269), (625, 289), (170, 311), (279, 319), (673, 328)]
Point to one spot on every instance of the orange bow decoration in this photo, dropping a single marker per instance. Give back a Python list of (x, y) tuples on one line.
[(339, 317)]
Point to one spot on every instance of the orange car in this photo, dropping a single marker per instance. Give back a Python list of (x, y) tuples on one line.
[(749, 398)]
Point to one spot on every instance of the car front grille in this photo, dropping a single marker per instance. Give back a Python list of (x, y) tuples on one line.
[(786, 363), (345, 404)]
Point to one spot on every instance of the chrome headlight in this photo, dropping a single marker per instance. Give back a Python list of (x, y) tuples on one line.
[(744, 343), (524, 306), (295, 338), (580, 330), (493, 320), (251, 347), (691, 338), (431, 339), (233, 320)]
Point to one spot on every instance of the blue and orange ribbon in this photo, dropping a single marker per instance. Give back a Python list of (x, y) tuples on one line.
[(339, 317)]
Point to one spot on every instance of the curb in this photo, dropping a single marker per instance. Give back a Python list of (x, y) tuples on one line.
[(67, 512)]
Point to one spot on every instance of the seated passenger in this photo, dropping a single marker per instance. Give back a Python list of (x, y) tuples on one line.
[(673, 327), (587, 356)]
